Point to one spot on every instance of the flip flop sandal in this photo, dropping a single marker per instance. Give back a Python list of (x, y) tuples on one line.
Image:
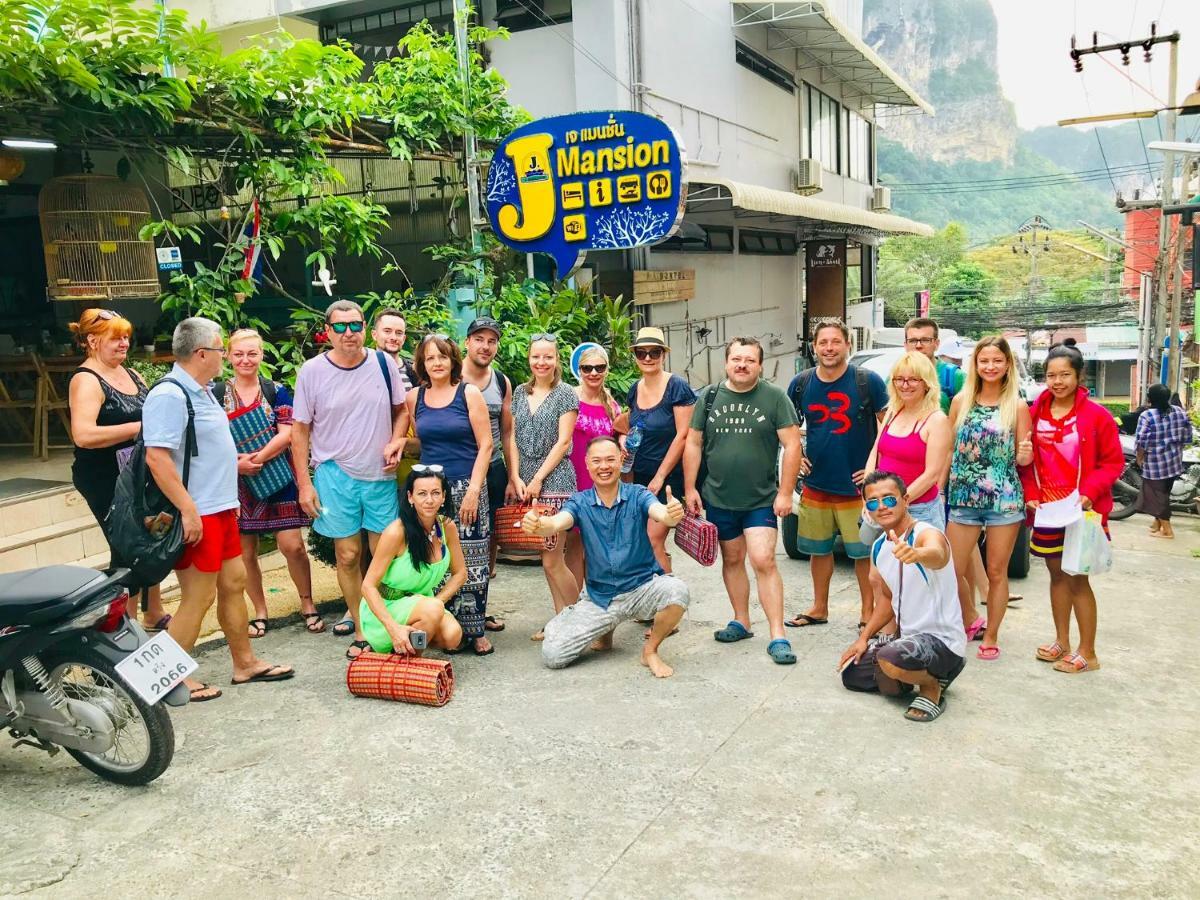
[(804, 620), (491, 623), (488, 652), (344, 627), (976, 628), (1051, 652), (361, 646), (989, 654), (780, 651), (733, 632), (260, 626), (192, 698), (925, 710), (160, 625), (1074, 664), (268, 674), (313, 622)]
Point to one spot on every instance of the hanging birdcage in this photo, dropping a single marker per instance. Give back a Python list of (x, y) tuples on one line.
[(90, 227)]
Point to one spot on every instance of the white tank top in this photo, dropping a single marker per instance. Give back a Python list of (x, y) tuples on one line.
[(927, 601)]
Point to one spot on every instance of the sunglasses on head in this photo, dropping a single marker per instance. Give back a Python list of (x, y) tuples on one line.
[(421, 469), (343, 327), (544, 336), (647, 352), (106, 315), (889, 501), (596, 368)]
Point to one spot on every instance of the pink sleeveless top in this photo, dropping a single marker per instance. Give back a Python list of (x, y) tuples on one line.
[(906, 457)]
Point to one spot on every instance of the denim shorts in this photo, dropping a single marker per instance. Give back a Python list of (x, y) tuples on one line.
[(932, 512), (732, 523), (349, 504), (984, 518)]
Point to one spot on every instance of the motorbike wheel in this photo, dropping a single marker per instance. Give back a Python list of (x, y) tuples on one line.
[(791, 527), (1126, 491), (145, 739)]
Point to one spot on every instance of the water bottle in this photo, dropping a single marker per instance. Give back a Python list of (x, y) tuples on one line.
[(633, 440)]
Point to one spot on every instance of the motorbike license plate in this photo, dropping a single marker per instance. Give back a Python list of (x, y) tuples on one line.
[(156, 667)]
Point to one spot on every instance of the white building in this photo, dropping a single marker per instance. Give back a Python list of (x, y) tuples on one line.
[(775, 103)]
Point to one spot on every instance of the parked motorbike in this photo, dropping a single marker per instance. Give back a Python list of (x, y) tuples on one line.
[(63, 633), (1185, 493)]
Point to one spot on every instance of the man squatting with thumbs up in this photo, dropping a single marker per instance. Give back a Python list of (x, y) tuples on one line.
[(624, 581), (911, 562)]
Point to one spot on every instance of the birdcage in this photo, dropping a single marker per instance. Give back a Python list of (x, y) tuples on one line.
[(90, 227)]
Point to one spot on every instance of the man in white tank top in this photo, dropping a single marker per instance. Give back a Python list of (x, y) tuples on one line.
[(911, 564)]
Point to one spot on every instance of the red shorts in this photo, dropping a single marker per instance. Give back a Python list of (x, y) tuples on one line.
[(219, 542)]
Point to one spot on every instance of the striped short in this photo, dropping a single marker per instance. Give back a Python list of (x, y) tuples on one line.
[(1047, 543)]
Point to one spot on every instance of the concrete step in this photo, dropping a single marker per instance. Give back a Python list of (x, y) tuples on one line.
[(58, 543), (29, 511)]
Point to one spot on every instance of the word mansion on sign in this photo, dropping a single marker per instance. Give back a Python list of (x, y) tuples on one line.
[(596, 180)]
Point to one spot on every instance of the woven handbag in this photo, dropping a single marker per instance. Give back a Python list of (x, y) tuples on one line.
[(510, 536), (252, 430), (697, 538), (409, 679)]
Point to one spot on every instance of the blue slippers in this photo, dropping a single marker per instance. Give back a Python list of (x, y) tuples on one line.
[(780, 650), (733, 632)]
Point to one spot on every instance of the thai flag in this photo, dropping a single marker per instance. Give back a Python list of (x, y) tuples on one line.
[(253, 266)]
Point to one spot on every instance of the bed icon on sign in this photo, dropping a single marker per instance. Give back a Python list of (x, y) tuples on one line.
[(572, 195)]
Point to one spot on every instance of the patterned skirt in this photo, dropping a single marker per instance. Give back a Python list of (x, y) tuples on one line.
[(469, 605), (279, 512)]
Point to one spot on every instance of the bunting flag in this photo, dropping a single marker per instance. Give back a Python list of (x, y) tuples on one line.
[(365, 51), (253, 266)]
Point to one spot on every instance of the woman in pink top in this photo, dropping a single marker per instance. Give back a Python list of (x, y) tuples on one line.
[(914, 441), (597, 410)]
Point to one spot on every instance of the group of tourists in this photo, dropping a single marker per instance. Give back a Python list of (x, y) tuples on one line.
[(403, 465)]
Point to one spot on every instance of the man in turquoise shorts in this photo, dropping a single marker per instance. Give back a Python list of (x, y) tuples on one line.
[(349, 424)]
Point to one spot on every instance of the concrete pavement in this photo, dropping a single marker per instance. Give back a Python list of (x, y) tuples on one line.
[(735, 778)]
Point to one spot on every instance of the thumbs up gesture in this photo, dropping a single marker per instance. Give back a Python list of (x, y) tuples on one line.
[(901, 549), (532, 522), (1024, 452), (674, 510)]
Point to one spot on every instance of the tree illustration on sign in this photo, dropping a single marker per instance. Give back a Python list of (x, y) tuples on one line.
[(630, 227), (501, 180)]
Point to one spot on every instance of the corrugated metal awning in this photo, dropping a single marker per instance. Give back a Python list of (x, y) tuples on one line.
[(786, 203), (810, 29)]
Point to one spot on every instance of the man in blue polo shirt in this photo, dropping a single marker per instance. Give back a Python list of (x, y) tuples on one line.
[(624, 581)]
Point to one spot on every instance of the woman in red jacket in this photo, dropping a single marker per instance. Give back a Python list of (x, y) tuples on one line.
[(1077, 458)]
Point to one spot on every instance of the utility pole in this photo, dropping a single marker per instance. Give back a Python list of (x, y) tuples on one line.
[(1033, 250), (462, 12), (1159, 309)]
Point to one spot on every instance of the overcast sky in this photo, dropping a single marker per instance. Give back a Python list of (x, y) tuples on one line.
[(1038, 76)]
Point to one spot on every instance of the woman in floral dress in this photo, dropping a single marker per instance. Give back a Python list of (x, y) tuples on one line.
[(992, 438)]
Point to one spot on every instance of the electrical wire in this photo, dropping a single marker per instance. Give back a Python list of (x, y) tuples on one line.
[(1015, 178)]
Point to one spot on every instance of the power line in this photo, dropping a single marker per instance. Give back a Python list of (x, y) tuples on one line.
[(1012, 178)]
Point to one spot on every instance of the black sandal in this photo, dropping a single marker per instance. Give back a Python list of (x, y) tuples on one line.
[(491, 623), (361, 646), (313, 627), (260, 626)]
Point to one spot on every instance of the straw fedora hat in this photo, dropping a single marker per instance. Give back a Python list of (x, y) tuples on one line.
[(651, 337)]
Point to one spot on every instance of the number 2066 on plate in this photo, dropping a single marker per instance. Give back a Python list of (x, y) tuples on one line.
[(154, 668)]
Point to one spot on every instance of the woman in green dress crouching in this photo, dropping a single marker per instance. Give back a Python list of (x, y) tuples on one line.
[(418, 567)]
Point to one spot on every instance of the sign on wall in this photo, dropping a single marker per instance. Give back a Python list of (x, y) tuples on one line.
[(586, 181), (664, 286), (824, 281)]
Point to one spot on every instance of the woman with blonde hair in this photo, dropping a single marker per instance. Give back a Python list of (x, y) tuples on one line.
[(914, 441), (106, 417), (544, 413), (992, 437), (597, 412), (279, 513)]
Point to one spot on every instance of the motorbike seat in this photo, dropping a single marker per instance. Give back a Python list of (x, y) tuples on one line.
[(35, 595)]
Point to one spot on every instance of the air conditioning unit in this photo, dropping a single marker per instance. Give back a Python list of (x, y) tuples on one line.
[(808, 177), (882, 199)]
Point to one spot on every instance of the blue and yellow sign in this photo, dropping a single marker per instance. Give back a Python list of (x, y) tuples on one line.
[(587, 181)]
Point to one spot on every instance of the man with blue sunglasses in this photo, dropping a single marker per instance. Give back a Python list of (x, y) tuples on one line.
[(912, 566)]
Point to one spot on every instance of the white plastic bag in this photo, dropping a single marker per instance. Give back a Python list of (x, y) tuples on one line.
[(1086, 550)]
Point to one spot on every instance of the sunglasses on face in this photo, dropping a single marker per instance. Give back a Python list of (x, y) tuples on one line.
[(597, 368), (343, 327), (648, 353), (889, 501), (434, 469), (544, 336)]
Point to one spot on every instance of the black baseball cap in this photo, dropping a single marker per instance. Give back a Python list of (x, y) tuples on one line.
[(484, 323)]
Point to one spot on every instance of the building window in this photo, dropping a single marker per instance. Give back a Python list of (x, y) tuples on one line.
[(824, 130), (763, 67), (693, 238), (858, 149), (525, 15), (766, 243)]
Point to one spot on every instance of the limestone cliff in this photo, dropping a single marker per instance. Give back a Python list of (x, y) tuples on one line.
[(946, 49)]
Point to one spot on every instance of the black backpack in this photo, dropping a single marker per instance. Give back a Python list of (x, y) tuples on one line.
[(266, 385), (866, 413), (137, 500)]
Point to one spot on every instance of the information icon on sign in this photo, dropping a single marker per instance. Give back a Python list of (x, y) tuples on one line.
[(600, 192)]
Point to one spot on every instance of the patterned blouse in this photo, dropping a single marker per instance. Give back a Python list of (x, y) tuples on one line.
[(1163, 438), (983, 471), (537, 433)]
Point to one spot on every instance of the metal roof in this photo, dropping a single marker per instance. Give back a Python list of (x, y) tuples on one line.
[(824, 43), (786, 203)]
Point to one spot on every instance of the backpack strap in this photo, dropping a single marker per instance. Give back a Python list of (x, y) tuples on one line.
[(710, 399), (381, 358), (796, 393), (505, 384), (267, 386), (189, 441), (866, 403)]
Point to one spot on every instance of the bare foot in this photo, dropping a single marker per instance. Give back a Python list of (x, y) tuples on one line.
[(538, 636), (603, 643), (657, 667)]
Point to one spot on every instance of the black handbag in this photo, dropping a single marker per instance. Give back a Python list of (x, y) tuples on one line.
[(135, 522)]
